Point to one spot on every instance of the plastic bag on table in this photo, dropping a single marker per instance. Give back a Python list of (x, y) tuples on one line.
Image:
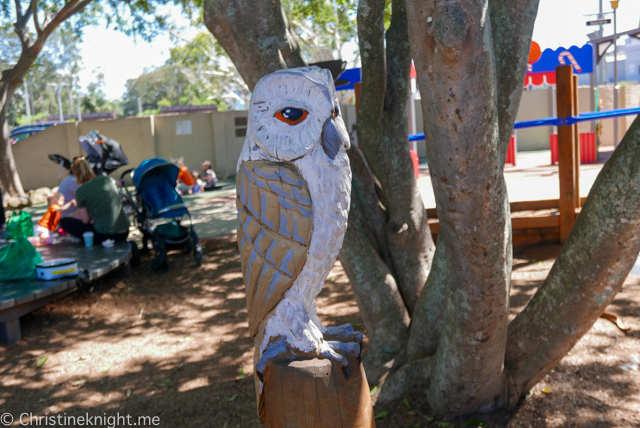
[(20, 225), (18, 260)]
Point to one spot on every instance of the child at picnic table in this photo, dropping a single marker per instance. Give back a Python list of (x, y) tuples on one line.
[(185, 181), (209, 177), (49, 221), (197, 188)]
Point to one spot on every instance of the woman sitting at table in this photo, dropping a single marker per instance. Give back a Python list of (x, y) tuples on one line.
[(99, 207)]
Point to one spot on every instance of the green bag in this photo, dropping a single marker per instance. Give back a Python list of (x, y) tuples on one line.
[(18, 260), (20, 225)]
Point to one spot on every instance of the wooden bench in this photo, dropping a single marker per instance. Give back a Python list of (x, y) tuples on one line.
[(18, 298), (532, 222)]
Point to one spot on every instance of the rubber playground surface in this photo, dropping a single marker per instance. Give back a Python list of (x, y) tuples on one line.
[(532, 179)]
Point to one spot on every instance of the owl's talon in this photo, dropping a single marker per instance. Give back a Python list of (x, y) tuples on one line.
[(343, 333), (277, 349), (346, 348), (341, 352)]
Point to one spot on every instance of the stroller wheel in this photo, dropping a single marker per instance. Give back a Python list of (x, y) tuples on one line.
[(198, 257), (186, 249), (197, 248), (135, 254), (159, 266)]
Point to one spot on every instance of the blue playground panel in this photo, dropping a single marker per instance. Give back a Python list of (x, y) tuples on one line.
[(563, 121)]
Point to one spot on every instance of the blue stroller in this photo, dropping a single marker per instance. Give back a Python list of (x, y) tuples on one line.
[(162, 216)]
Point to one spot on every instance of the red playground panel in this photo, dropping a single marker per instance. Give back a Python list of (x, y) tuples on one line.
[(416, 163), (511, 151), (553, 145), (588, 149)]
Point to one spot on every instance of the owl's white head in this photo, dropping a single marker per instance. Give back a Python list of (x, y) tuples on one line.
[(294, 110)]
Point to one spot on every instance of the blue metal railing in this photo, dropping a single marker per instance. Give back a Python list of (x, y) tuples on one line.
[(549, 121), (563, 121)]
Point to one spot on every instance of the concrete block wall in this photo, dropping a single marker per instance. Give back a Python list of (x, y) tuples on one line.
[(217, 137)]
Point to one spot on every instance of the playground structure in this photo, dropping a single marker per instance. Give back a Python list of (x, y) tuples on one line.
[(551, 220)]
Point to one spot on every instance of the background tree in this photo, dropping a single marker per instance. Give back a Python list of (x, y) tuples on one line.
[(95, 100), (439, 321), (321, 24), (59, 62), (196, 73), (44, 17)]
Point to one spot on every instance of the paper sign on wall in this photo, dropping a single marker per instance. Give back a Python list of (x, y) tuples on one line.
[(183, 127)]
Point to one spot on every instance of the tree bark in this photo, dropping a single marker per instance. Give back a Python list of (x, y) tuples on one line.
[(255, 35), (462, 136), (382, 135), (9, 177), (590, 270), (512, 28), (366, 260)]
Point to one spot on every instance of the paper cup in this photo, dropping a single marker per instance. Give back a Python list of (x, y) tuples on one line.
[(88, 239)]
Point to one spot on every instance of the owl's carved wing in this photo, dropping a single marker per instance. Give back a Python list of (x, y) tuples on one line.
[(275, 219)]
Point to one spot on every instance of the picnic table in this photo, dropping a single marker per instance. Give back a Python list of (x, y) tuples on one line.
[(18, 298)]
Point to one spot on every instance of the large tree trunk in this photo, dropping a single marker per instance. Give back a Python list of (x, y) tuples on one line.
[(448, 338), (461, 131), (458, 333), (9, 178)]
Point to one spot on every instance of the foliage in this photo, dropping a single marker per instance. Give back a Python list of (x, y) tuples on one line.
[(58, 63), (95, 100), (138, 17), (322, 24), (141, 18), (196, 73)]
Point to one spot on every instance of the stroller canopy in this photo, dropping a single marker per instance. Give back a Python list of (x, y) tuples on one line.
[(155, 180), (102, 151)]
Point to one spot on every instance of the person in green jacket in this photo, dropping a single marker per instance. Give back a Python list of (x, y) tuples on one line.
[(99, 207)]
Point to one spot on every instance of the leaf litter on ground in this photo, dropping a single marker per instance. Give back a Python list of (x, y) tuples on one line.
[(381, 415), (474, 422)]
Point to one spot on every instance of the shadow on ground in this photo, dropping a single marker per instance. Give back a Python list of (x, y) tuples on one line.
[(176, 346)]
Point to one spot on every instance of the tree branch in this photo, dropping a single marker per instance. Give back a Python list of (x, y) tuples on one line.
[(410, 238), (590, 270), (511, 27), (310, 33), (36, 21), (255, 35), (18, 7), (79, 7)]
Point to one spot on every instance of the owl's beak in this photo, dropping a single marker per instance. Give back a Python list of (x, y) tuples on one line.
[(334, 135)]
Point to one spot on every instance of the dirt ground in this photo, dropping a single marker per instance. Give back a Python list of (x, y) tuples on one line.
[(176, 347)]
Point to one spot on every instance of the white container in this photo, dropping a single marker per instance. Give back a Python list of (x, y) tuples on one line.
[(57, 268)]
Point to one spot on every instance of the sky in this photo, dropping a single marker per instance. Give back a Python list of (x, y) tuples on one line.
[(119, 57)]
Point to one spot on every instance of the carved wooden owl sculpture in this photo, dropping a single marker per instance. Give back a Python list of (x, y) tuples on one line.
[(293, 191)]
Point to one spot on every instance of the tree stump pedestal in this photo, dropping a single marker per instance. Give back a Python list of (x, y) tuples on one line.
[(315, 393)]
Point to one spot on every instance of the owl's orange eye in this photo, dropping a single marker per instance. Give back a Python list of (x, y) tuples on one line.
[(291, 115)]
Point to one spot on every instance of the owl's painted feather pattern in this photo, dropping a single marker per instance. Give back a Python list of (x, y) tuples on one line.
[(274, 234)]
